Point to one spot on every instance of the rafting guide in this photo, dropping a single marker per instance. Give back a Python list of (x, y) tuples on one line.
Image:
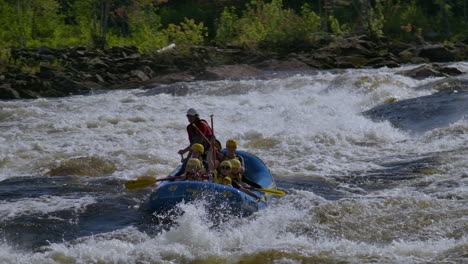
[(237, 179), (198, 131)]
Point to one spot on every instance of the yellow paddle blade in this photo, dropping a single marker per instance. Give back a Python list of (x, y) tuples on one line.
[(140, 182), (271, 191)]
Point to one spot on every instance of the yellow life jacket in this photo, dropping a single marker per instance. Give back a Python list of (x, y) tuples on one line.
[(222, 180), (236, 177)]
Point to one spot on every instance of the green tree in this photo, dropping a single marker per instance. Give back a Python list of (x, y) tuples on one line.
[(186, 34), (227, 26), (26, 22)]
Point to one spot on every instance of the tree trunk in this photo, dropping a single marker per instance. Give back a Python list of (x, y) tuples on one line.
[(104, 18)]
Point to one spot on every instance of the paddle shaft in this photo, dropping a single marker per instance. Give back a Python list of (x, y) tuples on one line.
[(168, 178), (270, 191), (146, 181), (213, 147), (206, 139)]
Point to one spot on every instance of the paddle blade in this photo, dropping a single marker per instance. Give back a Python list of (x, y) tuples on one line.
[(140, 182), (271, 191)]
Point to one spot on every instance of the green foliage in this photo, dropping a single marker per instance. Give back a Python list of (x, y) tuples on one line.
[(397, 16), (176, 11), (145, 31), (251, 33), (336, 28), (267, 24), (83, 12), (9, 31), (227, 26), (376, 19), (311, 21), (259, 24), (4, 58), (186, 34)]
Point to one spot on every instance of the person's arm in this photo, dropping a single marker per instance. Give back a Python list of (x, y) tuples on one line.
[(183, 151), (189, 133)]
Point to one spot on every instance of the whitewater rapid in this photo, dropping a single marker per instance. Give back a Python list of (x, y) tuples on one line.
[(358, 191)]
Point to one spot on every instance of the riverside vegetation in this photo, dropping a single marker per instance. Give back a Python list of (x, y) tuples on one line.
[(56, 48)]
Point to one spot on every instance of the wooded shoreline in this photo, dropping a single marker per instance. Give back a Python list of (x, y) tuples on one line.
[(59, 72)]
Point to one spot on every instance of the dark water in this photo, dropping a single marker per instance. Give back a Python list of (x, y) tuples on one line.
[(383, 184), (114, 209)]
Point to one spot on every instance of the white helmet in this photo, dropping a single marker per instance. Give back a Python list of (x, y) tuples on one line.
[(192, 112)]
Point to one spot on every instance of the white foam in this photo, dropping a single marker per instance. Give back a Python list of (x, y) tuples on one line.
[(303, 125), (43, 205)]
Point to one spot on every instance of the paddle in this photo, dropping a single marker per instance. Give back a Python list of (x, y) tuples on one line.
[(145, 181), (270, 191), (213, 147), (206, 139)]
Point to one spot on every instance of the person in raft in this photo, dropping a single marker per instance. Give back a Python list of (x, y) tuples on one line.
[(194, 171), (198, 131), (221, 175), (197, 152), (239, 180), (231, 147)]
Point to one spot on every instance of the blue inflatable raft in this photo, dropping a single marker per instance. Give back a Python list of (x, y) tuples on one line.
[(217, 197)]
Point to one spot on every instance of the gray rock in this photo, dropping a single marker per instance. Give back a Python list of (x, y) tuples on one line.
[(288, 65), (7, 92), (437, 53), (430, 70), (418, 115), (224, 72)]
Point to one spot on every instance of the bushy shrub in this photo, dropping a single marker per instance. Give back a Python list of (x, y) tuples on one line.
[(226, 30), (311, 22), (145, 32), (266, 24), (186, 34)]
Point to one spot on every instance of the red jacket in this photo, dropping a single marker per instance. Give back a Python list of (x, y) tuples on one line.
[(193, 134)]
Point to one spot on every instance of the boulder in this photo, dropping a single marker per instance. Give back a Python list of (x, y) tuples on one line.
[(380, 62), (352, 61), (406, 55), (430, 70), (7, 92), (140, 74), (353, 46), (437, 53), (49, 72), (422, 114), (237, 71), (286, 65), (177, 89), (170, 78)]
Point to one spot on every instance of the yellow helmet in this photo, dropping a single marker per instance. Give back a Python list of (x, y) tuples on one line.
[(225, 164), (231, 143), (198, 147), (192, 162), (235, 163)]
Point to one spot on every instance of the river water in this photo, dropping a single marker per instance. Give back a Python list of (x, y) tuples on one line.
[(358, 191)]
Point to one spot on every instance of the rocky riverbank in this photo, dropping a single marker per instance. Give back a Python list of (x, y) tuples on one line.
[(77, 70)]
